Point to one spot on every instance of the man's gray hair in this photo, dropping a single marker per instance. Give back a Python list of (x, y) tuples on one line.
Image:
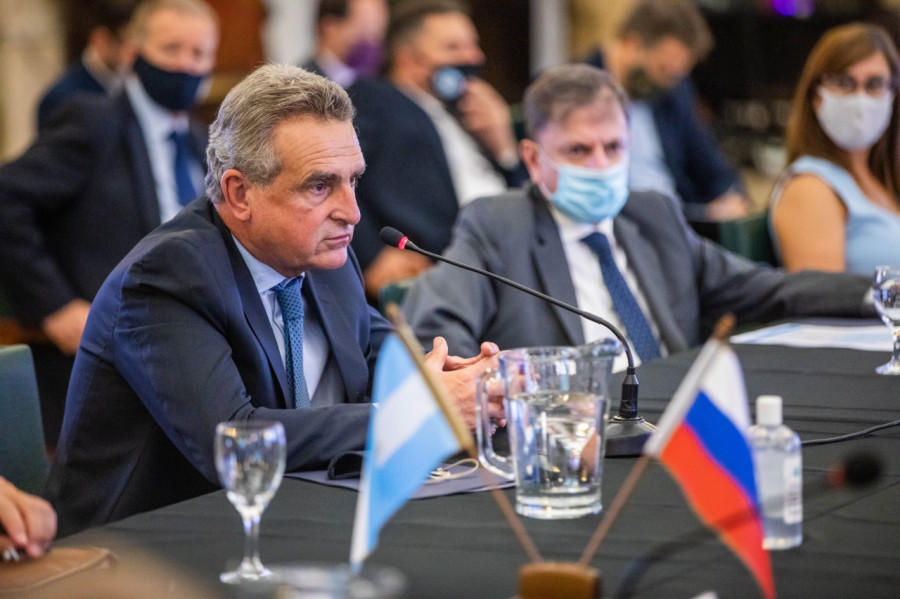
[(241, 136), (560, 90)]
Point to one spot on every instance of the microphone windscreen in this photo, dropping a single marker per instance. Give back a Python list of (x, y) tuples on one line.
[(859, 470), (391, 236)]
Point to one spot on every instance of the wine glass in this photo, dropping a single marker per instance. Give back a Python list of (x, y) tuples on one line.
[(250, 461), (886, 288)]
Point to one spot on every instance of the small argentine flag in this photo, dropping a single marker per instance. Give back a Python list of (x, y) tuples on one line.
[(408, 437)]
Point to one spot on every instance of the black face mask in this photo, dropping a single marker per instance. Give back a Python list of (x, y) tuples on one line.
[(174, 90), (448, 82), (641, 87)]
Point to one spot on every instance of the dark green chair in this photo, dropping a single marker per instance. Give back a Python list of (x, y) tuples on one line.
[(749, 237), (23, 459), (394, 293)]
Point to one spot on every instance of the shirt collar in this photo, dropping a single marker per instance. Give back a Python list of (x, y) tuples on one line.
[(264, 276), (155, 120)]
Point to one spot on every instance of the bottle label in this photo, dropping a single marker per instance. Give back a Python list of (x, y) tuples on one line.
[(793, 489)]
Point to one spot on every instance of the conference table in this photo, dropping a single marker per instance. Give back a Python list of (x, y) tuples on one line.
[(460, 545)]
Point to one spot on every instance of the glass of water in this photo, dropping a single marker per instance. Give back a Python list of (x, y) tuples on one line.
[(886, 288), (250, 460)]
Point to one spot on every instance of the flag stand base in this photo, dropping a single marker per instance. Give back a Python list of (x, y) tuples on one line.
[(625, 437), (559, 580)]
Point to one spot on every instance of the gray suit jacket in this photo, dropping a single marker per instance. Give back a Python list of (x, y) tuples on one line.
[(688, 281)]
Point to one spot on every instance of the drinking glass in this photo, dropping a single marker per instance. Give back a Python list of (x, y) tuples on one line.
[(886, 288), (250, 461)]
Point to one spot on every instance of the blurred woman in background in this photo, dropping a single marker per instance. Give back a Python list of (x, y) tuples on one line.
[(837, 205)]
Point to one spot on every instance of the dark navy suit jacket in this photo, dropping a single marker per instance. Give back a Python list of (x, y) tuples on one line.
[(407, 183), (74, 204), (178, 341), (700, 170), (75, 80)]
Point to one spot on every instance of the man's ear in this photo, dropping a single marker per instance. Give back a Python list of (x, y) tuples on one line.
[(529, 152), (235, 188)]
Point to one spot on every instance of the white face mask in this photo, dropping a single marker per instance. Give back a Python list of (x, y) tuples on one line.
[(854, 122)]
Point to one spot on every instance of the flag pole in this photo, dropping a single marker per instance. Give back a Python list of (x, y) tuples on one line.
[(460, 430), (721, 332)]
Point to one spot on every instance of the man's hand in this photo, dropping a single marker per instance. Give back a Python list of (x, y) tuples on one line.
[(728, 206), (29, 522), (392, 264), (65, 326), (459, 377), (485, 115)]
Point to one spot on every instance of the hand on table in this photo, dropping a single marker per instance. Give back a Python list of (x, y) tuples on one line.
[(65, 326), (28, 522)]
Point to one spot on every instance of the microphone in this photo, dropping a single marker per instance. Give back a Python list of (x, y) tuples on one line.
[(859, 470), (627, 431)]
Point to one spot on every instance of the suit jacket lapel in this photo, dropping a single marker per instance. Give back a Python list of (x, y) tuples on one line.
[(549, 259), (642, 259), (341, 336), (254, 311), (146, 202)]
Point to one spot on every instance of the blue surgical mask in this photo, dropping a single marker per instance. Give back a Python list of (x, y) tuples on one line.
[(589, 195)]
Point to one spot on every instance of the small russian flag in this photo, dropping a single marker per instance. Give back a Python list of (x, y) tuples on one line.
[(702, 441)]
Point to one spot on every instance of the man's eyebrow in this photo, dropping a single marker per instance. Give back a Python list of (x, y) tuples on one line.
[(321, 177)]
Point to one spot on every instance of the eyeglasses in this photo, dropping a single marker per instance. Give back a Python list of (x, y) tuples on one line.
[(845, 84)]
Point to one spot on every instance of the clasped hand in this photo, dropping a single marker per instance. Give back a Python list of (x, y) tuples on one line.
[(459, 378)]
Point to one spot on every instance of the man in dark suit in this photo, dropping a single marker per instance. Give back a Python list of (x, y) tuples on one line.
[(248, 305), (99, 69), (101, 175), (642, 269), (430, 147), (349, 39), (652, 55)]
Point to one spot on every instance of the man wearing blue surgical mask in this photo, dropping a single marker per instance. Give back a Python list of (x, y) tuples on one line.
[(434, 134), (578, 235), (103, 173)]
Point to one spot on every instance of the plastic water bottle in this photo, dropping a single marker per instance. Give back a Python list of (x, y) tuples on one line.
[(779, 475)]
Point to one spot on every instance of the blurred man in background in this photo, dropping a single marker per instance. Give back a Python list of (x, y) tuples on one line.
[(349, 39), (673, 152)]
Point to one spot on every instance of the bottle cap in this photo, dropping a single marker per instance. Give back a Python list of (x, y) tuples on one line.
[(768, 410)]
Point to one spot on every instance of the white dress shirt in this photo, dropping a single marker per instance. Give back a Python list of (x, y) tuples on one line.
[(157, 124), (647, 170), (591, 294), (473, 174), (320, 381)]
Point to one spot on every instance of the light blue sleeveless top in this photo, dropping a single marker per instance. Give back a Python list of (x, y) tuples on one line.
[(873, 233)]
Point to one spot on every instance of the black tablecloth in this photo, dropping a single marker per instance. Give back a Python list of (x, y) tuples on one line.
[(460, 546)]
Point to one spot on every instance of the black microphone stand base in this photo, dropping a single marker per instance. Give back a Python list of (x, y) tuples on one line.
[(625, 437)]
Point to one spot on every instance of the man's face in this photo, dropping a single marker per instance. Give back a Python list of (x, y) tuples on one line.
[(304, 218), (444, 39), (180, 41), (592, 136), (366, 22), (661, 66)]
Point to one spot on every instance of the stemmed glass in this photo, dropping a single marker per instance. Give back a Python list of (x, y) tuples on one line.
[(886, 288), (250, 461)]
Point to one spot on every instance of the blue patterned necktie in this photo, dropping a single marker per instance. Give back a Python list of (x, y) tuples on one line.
[(186, 191), (636, 326), (291, 302)]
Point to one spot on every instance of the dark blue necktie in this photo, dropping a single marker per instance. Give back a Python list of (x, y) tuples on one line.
[(636, 326), (186, 191), (291, 302)]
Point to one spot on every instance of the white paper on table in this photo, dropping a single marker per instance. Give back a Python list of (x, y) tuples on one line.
[(868, 337)]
